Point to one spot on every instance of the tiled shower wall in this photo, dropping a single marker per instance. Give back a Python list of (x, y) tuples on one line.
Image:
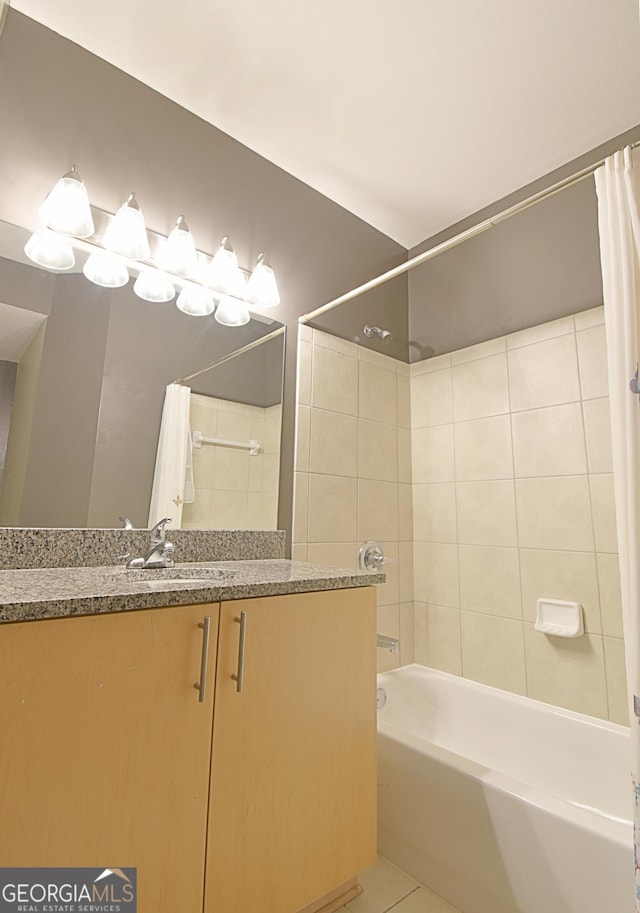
[(513, 500), (353, 469), (234, 489)]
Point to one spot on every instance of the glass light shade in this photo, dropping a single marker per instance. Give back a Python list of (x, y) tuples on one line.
[(106, 270), (152, 285), (262, 289), (195, 301), (66, 207), (224, 275), (232, 313), (126, 233), (51, 251), (178, 254)]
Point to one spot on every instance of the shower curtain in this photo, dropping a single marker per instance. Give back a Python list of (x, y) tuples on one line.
[(173, 478), (618, 189)]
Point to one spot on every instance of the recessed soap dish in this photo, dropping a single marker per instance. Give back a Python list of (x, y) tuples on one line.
[(562, 619)]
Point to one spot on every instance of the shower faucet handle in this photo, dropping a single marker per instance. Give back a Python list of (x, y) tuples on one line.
[(371, 557)]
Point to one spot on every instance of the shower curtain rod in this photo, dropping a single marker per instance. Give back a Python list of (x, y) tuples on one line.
[(459, 238), (231, 355)]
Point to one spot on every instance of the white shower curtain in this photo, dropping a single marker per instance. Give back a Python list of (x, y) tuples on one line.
[(618, 189), (172, 479)]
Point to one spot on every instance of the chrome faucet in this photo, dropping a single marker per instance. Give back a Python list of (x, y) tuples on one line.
[(160, 553)]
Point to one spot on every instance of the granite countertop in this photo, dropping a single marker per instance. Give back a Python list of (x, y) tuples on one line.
[(31, 594)]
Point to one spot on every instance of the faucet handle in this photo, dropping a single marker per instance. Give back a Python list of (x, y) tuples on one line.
[(158, 530)]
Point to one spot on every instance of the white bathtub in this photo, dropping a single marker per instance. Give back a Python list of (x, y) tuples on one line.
[(502, 804)]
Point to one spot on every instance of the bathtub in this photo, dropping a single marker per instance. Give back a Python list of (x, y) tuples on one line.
[(502, 804)]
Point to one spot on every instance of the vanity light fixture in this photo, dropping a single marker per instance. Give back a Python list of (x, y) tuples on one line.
[(195, 301), (154, 285), (50, 250), (178, 253), (126, 233), (124, 249), (232, 313), (66, 208), (262, 288), (224, 275), (106, 269)]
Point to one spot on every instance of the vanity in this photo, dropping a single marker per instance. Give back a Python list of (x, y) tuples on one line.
[(215, 732)]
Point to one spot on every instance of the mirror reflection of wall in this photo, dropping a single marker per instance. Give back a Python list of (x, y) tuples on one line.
[(91, 366)]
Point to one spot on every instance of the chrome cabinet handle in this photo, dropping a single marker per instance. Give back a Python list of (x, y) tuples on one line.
[(239, 677), (201, 686)]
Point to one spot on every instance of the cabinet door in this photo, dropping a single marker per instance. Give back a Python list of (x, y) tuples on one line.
[(106, 748), (293, 787)]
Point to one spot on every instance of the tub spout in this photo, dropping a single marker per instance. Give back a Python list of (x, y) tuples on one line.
[(392, 644)]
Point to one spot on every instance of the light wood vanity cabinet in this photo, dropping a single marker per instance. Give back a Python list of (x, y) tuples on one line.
[(254, 800)]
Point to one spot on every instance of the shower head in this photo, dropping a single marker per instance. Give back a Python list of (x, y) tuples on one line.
[(383, 335)]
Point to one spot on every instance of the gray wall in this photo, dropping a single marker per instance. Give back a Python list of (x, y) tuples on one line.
[(539, 265), (60, 105)]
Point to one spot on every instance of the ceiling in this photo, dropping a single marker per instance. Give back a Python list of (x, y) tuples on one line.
[(412, 114)]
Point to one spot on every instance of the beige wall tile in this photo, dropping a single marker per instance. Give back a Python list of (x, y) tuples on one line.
[(305, 360), (597, 426), (388, 593), (229, 509), (404, 455), (333, 554), (403, 369), (204, 464), (490, 581), (544, 374), (438, 638), (403, 395), (377, 394), (604, 512), (610, 601), (378, 358), (335, 343), (333, 443), (405, 512), (616, 680), (432, 454), (591, 318), (567, 672), (300, 507), (430, 364), (540, 333), (549, 442), (256, 465), (405, 571), (492, 651), (377, 451), (486, 513), (592, 358), (431, 399), (333, 509), (483, 449), (198, 514), (480, 388), (407, 647), (377, 510), (299, 551), (435, 574), (305, 332), (303, 431), (231, 469), (569, 576), (434, 512), (554, 513), (335, 381), (481, 350), (234, 422)]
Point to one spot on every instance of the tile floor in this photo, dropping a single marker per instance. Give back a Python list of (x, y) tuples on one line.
[(387, 887)]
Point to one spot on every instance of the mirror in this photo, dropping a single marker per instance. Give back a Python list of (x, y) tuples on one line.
[(83, 372)]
